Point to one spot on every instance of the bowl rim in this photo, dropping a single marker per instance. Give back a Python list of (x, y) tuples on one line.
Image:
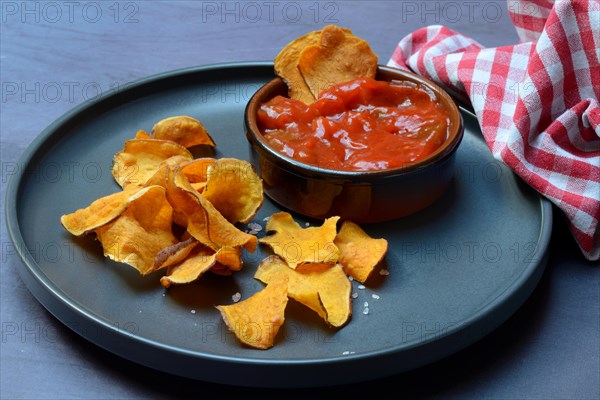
[(446, 150)]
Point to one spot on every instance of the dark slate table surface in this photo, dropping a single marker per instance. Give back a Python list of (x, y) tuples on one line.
[(55, 55)]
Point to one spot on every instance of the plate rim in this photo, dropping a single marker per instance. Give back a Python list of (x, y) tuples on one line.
[(54, 298)]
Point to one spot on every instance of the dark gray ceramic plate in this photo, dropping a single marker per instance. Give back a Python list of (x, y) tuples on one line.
[(456, 270)]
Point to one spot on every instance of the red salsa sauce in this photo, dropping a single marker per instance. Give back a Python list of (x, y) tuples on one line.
[(361, 125)]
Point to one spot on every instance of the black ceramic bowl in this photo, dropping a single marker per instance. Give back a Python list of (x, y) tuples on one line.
[(363, 197)]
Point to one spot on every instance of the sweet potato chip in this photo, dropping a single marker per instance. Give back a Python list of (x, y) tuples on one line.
[(256, 320), (140, 159), (323, 288), (230, 257), (211, 226), (182, 199), (99, 212), (160, 176), (299, 287), (142, 134), (286, 67), (199, 186), (186, 131), (140, 232), (197, 170), (234, 189), (298, 245), (203, 220), (359, 253), (334, 291), (200, 260), (174, 254), (338, 57)]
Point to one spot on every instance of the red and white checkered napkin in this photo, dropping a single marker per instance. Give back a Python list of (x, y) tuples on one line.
[(536, 101)]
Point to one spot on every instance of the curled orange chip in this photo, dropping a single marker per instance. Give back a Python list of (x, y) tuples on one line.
[(199, 186), (140, 232), (160, 176), (299, 287), (286, 66), (230, 257), (99, 212), (174, 254), (298, 245), (209, 225), (256, 320), (186, 131), (200, 260), (203, 220), (197, 170), (140, 159), (334, 291), (234, 189), (338, 57), (323, 288), (181, 199), (142, 134), (359, 253)]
